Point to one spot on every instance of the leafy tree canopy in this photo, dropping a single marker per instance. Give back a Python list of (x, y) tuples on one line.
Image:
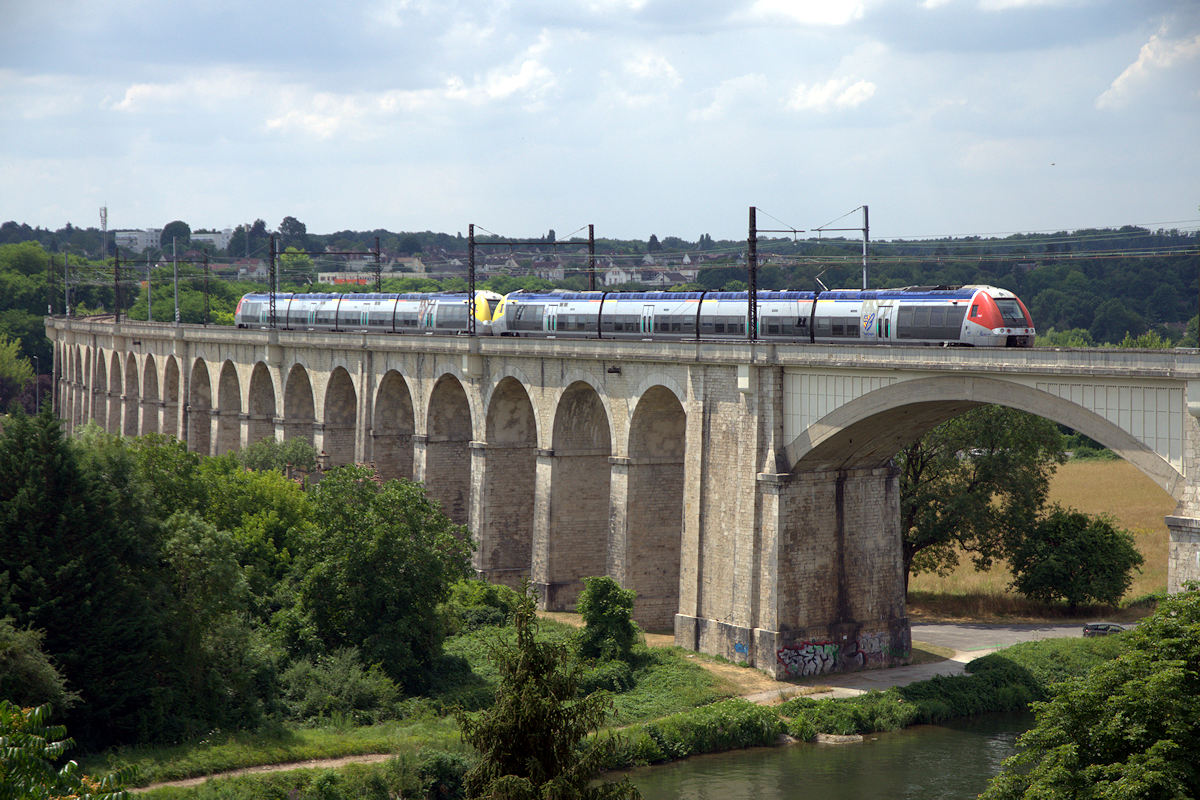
[(1074, 557), (976, 484), (400, 537), (32, 748), (1129, 728), (178, 233)]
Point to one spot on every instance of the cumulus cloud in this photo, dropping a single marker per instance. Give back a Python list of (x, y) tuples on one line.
[(1156, 56), (835, 93), (809, 12)]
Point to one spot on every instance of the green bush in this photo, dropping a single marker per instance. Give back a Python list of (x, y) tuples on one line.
[(611, 676), (726, 725), (609, 630), (475, 604), (1051, 661), (338, 686), (997, 685)]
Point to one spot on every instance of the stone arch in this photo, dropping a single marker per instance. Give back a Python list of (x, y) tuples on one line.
[(341, 414), (229, 409), (393, 429), (131, 400), (200, 409), (447, 453), (299, 414), (865, 433), (99, 397), (573, 378), (170, 424), (150, 401), (650, 535), (76, 387), (580, 482), (115, 415), (261, 403), (504, 518)]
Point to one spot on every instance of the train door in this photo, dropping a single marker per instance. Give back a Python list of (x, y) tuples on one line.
[(551, 321), (885, 322), (648, 319)]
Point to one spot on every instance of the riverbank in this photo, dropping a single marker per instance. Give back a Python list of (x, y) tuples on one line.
[(851, 704)]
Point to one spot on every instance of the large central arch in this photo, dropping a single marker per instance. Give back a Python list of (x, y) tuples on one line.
[(865, 433)]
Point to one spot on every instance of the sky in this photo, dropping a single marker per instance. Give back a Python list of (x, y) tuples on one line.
[(666, 117)]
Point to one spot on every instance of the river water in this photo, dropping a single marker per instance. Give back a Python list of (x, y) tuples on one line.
[(929, 762)]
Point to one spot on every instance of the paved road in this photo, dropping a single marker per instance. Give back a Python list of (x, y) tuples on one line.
[(970, 637)]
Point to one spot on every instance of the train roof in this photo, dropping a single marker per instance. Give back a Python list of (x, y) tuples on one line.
[(353, 295), (908, 292)]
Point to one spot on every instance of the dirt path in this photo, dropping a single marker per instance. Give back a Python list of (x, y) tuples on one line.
[(742, 681)]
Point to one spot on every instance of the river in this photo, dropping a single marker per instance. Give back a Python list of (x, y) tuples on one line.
[(929, 762)]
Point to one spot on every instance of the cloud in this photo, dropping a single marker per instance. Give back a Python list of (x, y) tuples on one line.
[(1157, 56), (728, 95), (835, 93), (214, 88), (809, 12), (654, 68)]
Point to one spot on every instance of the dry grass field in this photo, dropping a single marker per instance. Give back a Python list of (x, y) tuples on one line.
[(1097, 487)]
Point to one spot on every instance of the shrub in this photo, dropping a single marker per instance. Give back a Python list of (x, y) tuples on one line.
[(339, 686), (726, 725), (612, 676), (475, 604), (609, 630)]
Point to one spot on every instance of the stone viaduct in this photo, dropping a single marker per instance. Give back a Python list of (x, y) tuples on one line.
[(745, 491)]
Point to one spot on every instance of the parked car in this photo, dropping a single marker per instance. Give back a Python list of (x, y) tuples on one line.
[(1102, 628)]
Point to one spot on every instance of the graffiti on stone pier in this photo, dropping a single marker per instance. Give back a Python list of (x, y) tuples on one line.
[(808, 658), (819, 657)]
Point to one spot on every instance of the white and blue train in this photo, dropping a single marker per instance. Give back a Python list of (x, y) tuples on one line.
[(981, 316)]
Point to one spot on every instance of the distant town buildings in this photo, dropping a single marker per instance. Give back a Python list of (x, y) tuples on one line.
[(138, 241), (218, 239)]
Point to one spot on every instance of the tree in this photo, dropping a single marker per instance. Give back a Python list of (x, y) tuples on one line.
[(177, 232), (974, 483), (380, 560), (529, 740), (1113, 321), (31, 747), (79, 562), (296, 267), (1129, 728), (652, 246), (15, 371), (27, 676), (609, 631), (1074, 557), (293, 233)]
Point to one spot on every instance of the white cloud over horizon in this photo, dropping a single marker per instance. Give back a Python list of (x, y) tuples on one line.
[(641, 116)]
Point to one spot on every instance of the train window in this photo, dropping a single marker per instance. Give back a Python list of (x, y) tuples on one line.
[(823, 326), (1011, 311), (974, 310)]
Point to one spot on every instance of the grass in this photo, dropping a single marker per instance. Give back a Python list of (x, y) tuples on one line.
[(224, 752), (1091, 485), (668, 681)]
